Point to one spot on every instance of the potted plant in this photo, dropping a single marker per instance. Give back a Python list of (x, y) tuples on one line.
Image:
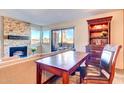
[(33, 50)]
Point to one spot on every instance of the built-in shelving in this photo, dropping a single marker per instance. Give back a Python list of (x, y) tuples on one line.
[(99, 31), (99, 35)]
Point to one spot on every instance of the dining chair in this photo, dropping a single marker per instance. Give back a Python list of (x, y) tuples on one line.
[(94, 52), (104, 73)]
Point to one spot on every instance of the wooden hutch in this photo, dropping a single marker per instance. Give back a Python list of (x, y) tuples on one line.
[(99, 35)]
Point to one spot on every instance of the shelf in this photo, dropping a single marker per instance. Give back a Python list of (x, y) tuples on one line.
[(98, 37), (97, 30)]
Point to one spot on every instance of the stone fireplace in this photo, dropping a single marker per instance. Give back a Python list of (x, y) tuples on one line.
[(16, 37), (18, 51)]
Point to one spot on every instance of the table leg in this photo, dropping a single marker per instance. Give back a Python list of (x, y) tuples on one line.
[(39, 74), (65, 77)]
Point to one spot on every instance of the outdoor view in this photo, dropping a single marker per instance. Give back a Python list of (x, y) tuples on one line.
[(67, 36), (35, 37), (46, 37), (62, 38)]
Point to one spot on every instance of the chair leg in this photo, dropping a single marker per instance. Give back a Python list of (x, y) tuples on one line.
[(82, 74), (73, 73), (78, 69)]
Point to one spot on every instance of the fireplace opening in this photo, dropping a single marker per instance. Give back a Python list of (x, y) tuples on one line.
[(18, 51)]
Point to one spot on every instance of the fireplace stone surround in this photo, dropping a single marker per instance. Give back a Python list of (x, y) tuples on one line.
[(18, 29)]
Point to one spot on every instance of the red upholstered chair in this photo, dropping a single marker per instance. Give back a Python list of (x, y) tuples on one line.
[(104, 73)]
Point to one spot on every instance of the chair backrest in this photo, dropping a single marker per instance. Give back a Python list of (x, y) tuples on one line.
[(108, 59)]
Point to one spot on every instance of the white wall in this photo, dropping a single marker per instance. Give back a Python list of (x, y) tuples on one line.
[(81, 32), (1, 36)]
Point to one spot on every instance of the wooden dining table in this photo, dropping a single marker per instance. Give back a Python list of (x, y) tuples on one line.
[(62, 64)]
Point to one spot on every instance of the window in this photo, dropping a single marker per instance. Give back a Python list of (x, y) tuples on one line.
[(35, 37), (56, 39), (62, 39), (67, 37), (46, 37)]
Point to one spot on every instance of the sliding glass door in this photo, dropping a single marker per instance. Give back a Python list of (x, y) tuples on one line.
[(56, 40), (62, 39), (68, 38)]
